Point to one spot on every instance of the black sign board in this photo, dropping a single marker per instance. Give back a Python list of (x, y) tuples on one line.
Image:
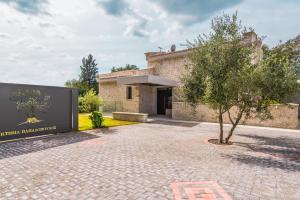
[(29, 110)]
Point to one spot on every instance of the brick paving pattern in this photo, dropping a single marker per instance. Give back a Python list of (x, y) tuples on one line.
[(153, 161)]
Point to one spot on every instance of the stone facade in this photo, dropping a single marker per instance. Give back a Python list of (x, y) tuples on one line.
[(284, 116), (147, 99), (114, 95), (171, 65)]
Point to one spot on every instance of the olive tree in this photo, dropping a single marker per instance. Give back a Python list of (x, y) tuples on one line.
[(30, 102), (222, 74)]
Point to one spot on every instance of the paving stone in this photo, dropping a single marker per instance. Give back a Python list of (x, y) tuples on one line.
[(142, 161)]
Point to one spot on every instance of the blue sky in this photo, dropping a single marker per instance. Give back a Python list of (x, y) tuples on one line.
[(43, 41)]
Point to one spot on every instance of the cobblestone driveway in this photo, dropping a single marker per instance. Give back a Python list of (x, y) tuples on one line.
[(159, 160)]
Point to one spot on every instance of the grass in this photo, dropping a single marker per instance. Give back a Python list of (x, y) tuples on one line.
[(86, 124)]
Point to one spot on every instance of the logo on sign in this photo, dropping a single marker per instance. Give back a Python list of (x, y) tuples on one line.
[(30, 102)]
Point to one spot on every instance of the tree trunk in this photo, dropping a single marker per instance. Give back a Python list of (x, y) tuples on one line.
[(234, 125), (221, 126), (230, 133)]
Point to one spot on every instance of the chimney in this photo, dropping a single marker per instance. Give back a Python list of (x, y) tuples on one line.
[(250, 37), (173, 48)]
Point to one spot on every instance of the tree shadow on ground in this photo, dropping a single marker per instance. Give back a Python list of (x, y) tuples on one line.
[(108, 131), (174, 123), (270, 152), (266, 162), (25, 146)]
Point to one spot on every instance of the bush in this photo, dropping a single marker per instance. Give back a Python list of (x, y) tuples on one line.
[(97, 119), (82, 106), (89, 102)]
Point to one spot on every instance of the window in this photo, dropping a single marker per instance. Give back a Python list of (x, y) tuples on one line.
[(129, 92)]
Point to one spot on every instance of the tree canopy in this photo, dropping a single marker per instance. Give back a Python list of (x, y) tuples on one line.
[(222, 73), (89, 72), (87, 77), (81, 86)]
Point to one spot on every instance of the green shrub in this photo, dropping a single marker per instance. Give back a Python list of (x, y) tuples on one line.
[(89, 102), (82, 106), (97, 119)]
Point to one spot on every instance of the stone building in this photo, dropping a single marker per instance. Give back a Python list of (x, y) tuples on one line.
[(296, 43), (156, 90)]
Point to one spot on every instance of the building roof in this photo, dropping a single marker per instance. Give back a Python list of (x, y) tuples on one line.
[(155, 56), (146, 80), (249, 38), (107, 77)]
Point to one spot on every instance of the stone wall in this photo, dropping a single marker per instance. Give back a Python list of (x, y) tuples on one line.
[(296, 100), (171, 68), (129, 116), (148, 99), (114, 97), (284, 116)]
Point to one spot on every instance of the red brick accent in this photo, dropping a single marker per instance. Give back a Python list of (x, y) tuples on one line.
[(198, 190)]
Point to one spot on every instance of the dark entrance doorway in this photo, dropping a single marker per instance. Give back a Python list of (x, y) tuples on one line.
[(164, 100)]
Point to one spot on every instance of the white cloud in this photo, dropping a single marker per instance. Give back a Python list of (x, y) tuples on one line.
[(46, 24), (36, 47), (24, 41), (104, 57), (104, 37), (4, 35), (47, 49), (32, 7), (136, 26)]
